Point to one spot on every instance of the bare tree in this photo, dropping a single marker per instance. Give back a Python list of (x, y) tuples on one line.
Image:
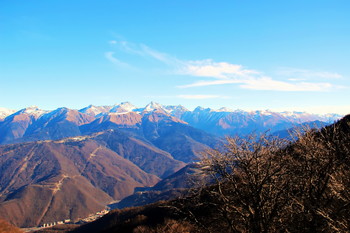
[(320, 192), (266, 184), (250, 182)]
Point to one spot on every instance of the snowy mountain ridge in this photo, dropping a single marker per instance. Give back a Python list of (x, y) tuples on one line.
[(4, 112), (179, 111)]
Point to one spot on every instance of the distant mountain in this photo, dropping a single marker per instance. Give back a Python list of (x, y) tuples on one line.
[(4, 112), (123, 108), (164, 131), (57, 124), (223, 122), (127, 120), (176, 137), (31, 124), (14, 126), (95, 110), (93, 161), (288, 133)]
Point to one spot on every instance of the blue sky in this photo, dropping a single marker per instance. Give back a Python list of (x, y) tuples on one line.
[(279, 55)]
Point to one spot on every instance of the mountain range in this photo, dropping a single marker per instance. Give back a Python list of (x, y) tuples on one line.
[(73, 164), (32, 123), (67, 163)]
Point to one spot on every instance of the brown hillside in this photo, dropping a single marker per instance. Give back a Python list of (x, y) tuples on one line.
[(69, 178), (5, 227)]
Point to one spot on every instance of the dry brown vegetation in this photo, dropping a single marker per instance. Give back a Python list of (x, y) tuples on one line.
[(169, 226), (265, 184), (6, 227)]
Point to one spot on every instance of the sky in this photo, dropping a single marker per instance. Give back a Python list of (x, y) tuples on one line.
[(250, 55)]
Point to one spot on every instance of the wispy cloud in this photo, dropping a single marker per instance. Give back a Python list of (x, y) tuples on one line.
[(318, 109), (265, 84), (189, 96), (111, 58), (144, 51), (224, 73), (307, 74), (197, 97), (203, 83), (268, 84), (220, 70)]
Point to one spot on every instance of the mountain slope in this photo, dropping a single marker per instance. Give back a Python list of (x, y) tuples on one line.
[(223, 122), (173, 186), (57, 124), (76, 176), (148, 157), (182, 141), (4, 112), (14, 126)]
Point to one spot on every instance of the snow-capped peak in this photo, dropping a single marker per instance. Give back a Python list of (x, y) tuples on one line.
[(177, 108), (263, 112), (93, 110), (224, 109), (4, 112), (154, 106), (200, 109), (32, 111), (176, 111), (123, 107), (304, 116)]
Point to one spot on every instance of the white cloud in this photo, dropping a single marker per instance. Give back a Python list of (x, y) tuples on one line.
[(162, 57), (189, 97), (221, 70), (307, 74), (202, 97), (224, 73), (265, 84), (209, 83), (296, 79), (268, 84), (111, 58)]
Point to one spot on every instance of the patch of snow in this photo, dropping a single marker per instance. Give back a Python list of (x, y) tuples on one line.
[(154, 106), (176, 111), (117, 113), (33, 111), (224, 109), (4, 112), (95, 110), (123, 107)]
